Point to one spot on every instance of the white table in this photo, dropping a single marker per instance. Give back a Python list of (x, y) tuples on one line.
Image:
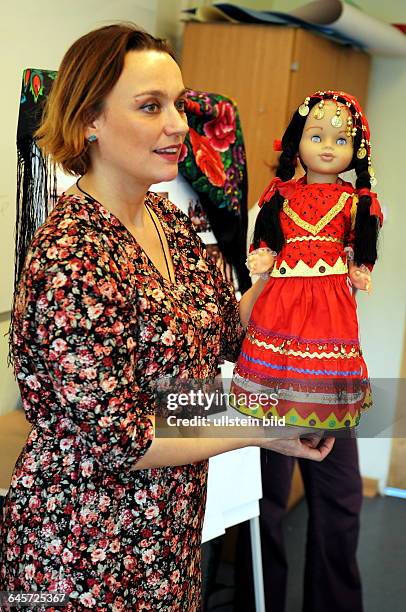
[(233, 494)]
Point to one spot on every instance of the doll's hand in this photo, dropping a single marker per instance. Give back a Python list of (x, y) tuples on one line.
[(360, 277), (260, 261)]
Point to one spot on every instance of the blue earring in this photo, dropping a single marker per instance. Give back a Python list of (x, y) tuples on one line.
[(92, 138)]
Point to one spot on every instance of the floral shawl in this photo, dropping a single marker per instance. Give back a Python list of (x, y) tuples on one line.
[(214, 164)]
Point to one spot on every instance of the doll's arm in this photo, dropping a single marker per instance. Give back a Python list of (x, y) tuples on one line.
[(360, 276), (260, 263), (249, 298)]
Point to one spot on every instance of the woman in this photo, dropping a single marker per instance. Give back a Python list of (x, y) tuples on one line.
[(116, 290)]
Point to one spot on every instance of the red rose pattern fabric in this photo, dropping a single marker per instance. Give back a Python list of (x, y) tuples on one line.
[(221, 131), (207, 158), (94, 324)]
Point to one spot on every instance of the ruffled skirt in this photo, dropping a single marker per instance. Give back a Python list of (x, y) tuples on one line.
[(301, 358)]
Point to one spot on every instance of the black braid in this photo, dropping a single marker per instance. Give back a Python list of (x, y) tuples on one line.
[(366, 226), (268, 226)]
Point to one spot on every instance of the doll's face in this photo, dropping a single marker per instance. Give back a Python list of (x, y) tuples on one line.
[(325, 149)]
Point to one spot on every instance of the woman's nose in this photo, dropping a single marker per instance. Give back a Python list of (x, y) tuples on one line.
[(176, 123)]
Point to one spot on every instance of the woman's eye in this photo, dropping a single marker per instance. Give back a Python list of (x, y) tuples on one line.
[(152, 107), (181, 106), (316, 138), (341, 141)]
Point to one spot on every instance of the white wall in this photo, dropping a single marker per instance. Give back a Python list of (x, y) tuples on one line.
[(36, 34)]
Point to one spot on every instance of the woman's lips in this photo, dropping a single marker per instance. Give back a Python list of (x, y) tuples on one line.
[(169, 153)]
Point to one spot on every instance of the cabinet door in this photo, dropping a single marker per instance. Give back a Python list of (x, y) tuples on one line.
[(353, 73), (319, 63), (251, 65)]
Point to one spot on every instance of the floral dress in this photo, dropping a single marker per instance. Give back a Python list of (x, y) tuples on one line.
[(94, 324)]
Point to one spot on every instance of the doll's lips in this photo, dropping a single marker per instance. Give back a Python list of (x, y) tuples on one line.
[(327, 156)]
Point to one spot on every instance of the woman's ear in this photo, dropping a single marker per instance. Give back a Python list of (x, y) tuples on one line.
[(92, 123)]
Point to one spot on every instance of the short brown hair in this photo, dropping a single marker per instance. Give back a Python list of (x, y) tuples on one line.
[(89, 70)]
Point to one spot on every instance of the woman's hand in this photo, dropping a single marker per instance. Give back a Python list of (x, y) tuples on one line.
[(360, 277), (311, 447), (204, 442)]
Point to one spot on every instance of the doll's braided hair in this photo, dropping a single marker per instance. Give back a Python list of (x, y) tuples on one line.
[(268, 227)]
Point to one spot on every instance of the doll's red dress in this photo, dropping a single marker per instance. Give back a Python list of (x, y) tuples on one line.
[(302, 342)]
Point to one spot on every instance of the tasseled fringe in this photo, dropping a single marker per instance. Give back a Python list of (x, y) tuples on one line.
[(36, 195)]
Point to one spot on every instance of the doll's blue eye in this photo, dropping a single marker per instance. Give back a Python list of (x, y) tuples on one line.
[(341, 141), (316, 138)]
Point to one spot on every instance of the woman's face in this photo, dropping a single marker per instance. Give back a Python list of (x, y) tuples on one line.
[(325, 149), (143, 124)]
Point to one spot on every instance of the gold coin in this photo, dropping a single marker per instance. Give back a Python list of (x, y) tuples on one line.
[(303, 110), (336, 121), (318, 113), (361, 153)]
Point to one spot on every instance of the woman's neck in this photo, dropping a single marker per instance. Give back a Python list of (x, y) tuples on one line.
[(123, 197)]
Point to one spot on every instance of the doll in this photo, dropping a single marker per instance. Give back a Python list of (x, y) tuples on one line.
[(315, 240)]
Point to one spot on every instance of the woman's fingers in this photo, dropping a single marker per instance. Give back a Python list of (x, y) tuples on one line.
[(300, 447), (320, 452)]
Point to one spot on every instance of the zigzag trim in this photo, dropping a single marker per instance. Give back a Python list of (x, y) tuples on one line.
[(302, 269), (293, 417), (244, 375), (321, 223), (272, 333), (320, 238), (282, 351)]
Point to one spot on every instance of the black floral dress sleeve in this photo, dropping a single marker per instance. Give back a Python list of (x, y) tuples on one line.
[(76, 304)]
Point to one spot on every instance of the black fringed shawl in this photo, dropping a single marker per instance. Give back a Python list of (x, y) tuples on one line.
[(36, 181)]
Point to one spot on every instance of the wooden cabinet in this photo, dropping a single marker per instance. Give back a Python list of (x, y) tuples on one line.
[(268, 71)]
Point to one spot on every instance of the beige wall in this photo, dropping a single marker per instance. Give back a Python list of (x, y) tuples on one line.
[(9, 391)]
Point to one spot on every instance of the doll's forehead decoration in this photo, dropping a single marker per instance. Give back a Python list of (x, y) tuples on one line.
[(356, 119)]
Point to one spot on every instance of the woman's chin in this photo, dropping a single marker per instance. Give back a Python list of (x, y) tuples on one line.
[(169, 175)]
